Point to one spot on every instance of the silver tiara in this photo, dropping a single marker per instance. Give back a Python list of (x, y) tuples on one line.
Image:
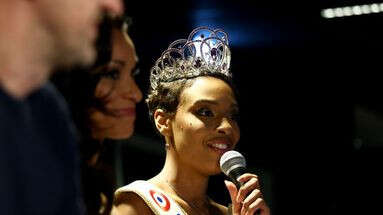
[(206, 51)]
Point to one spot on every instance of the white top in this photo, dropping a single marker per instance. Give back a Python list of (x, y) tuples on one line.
[(157, 200)]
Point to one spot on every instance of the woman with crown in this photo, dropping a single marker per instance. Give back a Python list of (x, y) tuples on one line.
[(193, 105)]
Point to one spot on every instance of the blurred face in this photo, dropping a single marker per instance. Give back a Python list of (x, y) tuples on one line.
[(119, 92), (205, 126), (71, 27)]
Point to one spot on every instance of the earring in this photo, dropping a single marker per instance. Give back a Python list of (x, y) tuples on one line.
[(167, 145)]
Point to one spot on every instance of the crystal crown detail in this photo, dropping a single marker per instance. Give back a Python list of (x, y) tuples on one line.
[(206, 51)]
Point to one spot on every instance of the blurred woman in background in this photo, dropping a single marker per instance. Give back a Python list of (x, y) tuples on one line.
[(103, 102)]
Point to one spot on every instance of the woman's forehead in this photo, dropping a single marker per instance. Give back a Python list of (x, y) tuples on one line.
[(208, 90)]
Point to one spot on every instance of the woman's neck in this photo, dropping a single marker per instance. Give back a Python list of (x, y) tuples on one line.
[(182, 180), (94, 158)]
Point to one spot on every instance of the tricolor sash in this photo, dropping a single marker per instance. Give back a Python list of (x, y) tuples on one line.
[(155, 198)]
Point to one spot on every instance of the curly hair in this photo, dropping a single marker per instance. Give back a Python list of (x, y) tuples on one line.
[(204, 53), (167, 95)]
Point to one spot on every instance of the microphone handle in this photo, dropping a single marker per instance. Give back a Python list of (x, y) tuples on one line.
[(234, 175), (237, 183)]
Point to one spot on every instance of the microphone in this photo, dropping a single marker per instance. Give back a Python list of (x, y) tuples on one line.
[(233, 164)]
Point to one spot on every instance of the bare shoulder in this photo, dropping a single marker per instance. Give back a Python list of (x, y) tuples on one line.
[(129, 203), (218, 209)]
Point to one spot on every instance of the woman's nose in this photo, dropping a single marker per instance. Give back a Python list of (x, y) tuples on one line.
[(225, 126), (114, 7), (132, 91)]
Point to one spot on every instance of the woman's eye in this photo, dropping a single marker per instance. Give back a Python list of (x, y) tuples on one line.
[(112, 74), (205, 112)]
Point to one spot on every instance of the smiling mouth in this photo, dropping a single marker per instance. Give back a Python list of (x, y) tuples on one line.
[(220, 146), (125, 112)]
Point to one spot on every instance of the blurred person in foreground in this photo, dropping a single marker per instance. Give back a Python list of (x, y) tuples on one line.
[(38, 156)]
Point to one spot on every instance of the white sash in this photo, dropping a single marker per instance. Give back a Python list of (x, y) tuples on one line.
[(155, 198)]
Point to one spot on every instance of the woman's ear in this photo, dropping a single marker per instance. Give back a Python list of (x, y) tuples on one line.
[(162, 121)]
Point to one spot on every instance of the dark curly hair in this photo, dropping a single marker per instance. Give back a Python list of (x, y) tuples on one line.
[(205, 52), (166, 95)]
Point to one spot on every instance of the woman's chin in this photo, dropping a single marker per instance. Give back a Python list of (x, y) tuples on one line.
[(214, 171), (121, 135)]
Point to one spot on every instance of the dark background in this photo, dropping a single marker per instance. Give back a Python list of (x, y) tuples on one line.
[(311, 110)]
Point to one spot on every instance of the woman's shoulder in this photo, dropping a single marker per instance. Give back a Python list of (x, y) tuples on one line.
[(146, 197), (130, 203)]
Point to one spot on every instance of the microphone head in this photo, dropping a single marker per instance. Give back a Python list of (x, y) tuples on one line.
[(231, 160)]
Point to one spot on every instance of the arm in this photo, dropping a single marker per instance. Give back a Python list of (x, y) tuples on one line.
[(248, 199), (130, 204)]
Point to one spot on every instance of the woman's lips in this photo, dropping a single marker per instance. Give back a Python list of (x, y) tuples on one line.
[(221, 145), (125, 112)]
